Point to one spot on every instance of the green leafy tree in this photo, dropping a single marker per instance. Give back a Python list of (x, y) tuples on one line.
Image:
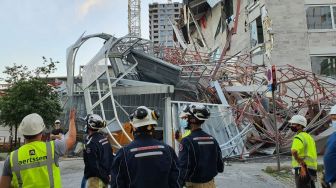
[(29, 93)]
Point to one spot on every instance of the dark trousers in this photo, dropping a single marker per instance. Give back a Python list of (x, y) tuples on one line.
[(305, 182)]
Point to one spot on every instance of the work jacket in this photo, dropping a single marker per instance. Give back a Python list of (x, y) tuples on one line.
[(98, 157), (304, 144), (33, 166), (145, 162), (200, 157)]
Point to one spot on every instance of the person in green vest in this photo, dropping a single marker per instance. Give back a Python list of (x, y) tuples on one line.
[(35, 164), (304, 156)]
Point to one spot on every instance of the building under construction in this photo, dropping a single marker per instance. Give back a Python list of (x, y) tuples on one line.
[(161, 19)]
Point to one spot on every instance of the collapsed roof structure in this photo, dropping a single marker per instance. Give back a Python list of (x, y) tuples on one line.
[(125, 74)]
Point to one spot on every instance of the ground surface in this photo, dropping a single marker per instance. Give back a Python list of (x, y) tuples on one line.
[(248, 175), (236, 175)]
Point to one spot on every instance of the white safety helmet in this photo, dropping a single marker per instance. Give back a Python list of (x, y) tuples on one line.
[(31, 125), (332, 110), (95, 122), (58, 122), (143, 116), (298, 119), (199, 111)]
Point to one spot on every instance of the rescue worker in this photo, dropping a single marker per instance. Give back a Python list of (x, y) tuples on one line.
[(200, 156), (35, 164), (145, 162), (304, 157), (329, 158), (186, 127), (57, 132), (97, 154)]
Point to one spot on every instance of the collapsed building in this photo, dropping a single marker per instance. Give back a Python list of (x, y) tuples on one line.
[(231, 46), (222, 57)]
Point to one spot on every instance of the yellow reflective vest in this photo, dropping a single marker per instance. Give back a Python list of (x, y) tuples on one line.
[(186, 133), (33, 166), (304, 144)]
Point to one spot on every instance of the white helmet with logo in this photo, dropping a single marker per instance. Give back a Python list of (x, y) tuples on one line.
[(143, 116), (95, 122), (31, 125), (298, 119), (198, 111)]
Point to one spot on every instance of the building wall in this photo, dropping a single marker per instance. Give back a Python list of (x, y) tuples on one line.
[(322, 42), (291, 42), (160, 29), (289, 29)]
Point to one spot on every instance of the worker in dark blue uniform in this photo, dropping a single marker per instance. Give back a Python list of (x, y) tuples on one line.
[(200, 156), (145, 162), (98, 156), (329, 158)]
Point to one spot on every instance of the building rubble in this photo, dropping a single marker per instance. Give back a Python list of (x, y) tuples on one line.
[(238, 95), (246, 90), (210, 65), (230, 67)]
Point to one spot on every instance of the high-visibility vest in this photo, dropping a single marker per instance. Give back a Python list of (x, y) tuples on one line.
[(33, 166), (186, 133), (308, 153)]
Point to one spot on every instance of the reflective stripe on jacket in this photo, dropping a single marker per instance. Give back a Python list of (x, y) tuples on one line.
[(307, 152), (33, 166), (200, 157), (145, 162)]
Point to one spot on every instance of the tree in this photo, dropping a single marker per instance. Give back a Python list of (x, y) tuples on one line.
[(20, 72), (29, 93)]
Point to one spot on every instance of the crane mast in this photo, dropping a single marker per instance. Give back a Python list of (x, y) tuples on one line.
[(134, 20)]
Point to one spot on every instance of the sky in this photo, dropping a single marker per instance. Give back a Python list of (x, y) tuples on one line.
[(30, 29)]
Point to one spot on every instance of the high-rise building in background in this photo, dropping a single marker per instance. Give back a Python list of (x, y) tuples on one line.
[(161, 17)]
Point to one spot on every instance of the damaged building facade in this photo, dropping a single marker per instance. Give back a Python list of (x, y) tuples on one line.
[(299, 33)]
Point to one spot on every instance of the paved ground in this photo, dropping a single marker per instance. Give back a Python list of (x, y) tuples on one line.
[(236, 175), (247, 175)]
